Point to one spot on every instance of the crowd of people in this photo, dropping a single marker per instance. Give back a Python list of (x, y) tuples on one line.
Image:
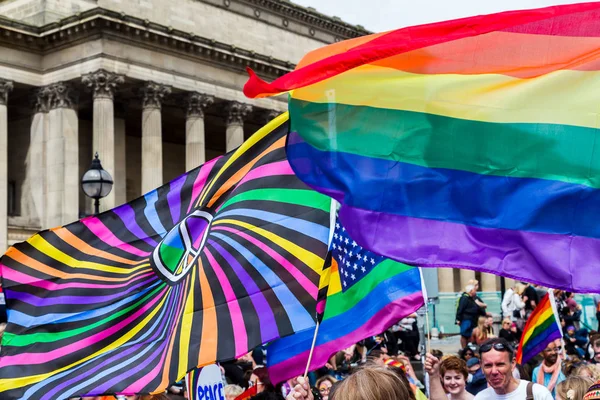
[(382, 367)]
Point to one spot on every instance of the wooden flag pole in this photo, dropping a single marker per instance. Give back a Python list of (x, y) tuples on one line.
[(428, 349), (312, 348)]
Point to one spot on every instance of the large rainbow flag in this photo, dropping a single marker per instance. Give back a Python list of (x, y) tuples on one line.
[(470, 143), (365, 295), (202, 269), (542, 328)]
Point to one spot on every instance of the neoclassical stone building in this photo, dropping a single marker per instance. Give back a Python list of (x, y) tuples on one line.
[(154, 86)]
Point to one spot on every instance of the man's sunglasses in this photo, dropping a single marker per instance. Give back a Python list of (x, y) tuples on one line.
[(496, 346)]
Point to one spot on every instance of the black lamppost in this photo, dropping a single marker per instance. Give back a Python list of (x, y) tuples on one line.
[(96, 183)]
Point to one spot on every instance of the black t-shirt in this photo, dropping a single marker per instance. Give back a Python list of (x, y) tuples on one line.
[(531, 294)]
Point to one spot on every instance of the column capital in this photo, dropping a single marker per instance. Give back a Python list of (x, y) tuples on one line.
[(5, 88), (268, 115), (237, 112), (40, 100), (153, 94), (103, 83), (61, 95), (196, 103)]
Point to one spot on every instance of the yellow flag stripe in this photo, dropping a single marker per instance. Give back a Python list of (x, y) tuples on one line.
[(47, 249), (312, 260), (186, 326), (261, 133)]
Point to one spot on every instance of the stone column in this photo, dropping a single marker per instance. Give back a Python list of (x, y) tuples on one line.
[(120, 187), (509, 283), (446, 280), (465, 276), (36, 167), (196, 103), (488, 282), (234, 135), (62, 156), (5, 89), (103, 84), (152, 159)]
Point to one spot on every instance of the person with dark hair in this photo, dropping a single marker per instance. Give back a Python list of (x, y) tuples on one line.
[(408, 333), (549, 372), (377, 356), (437, 354), (465, 354), (265, 390), (324, 385), (530, 298), (498, 362), (467, 313)]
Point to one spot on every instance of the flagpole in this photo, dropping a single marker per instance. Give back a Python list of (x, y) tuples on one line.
[(428, 337), (426, 303), (332, 218), (312, 348), (557, 318)]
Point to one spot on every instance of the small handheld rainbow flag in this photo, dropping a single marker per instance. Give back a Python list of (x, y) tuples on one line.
[(541, 328)]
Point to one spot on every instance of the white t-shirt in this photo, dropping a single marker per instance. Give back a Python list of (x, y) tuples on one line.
[(539, 393)]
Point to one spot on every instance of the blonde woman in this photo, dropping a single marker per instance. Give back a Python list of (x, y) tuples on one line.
[(588, 371), (480, 333), (232, 391), (573, 388), (368, 383)]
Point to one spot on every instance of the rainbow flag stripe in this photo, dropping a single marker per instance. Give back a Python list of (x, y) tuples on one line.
[(365, 295), (476, 140), (541, 328)]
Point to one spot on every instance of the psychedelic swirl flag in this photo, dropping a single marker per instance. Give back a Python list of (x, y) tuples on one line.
[(542, 327), (202, 269), (365, 295), (470, 143)]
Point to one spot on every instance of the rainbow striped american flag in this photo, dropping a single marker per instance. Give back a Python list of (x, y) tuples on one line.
[(365, 295)]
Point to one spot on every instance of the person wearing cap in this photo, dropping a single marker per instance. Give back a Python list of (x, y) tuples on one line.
[(498, 363), (476, 380), (593, 392)]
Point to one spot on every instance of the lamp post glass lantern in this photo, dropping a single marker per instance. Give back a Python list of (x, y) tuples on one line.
[(96, 183)]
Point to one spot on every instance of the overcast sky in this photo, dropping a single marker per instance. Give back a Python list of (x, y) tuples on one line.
[(384, 15)]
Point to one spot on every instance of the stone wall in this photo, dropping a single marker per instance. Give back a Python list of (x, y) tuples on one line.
[(222, 25), (41, 12)]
